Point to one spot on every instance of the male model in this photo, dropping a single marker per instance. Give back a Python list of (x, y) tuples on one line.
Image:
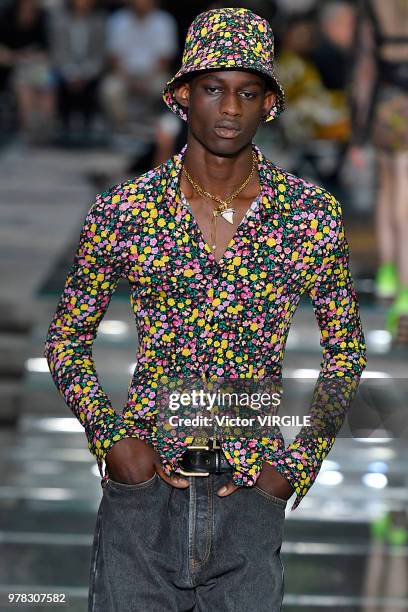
[(218, 245)]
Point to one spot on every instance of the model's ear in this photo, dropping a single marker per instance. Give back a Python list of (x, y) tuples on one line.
[(182, 94), (269, 102)]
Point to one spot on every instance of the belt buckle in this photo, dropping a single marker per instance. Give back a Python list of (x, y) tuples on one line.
[(202, 443), (199, 443)]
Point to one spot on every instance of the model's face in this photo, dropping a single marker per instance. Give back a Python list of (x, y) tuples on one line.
[(225, 108)]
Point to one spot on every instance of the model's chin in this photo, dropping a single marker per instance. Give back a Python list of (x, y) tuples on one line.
[(226, 146), (217, 145)]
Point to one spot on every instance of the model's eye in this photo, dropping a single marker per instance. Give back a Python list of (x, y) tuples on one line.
[(248, 95), (212, 90)]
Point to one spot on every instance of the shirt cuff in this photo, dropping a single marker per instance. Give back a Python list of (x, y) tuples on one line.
[(112, 429), (170, 451), (291, 473), (300, 464), (245, 455)]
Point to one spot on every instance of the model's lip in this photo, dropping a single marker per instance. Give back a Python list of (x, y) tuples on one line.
[(232, 125), (227, 129)]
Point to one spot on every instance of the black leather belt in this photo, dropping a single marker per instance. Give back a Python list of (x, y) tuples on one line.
[(202, 460)]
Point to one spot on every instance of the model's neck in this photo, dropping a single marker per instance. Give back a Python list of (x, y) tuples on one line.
[(217, 174)]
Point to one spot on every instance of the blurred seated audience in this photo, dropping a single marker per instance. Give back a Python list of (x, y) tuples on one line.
[(312, 112), (141, 42), (171, 136), (294, 8), (111, 6), (78, 52), (24, 57)]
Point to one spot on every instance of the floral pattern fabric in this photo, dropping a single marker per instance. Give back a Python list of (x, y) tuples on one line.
[(197, 316)]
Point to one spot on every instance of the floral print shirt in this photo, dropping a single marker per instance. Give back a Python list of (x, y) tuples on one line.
[(195, 315)]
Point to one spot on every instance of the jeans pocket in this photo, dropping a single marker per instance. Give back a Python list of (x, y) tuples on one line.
[(132, 487), (272, 498)]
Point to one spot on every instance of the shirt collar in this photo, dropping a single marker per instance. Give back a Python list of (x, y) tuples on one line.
[(266, 169)]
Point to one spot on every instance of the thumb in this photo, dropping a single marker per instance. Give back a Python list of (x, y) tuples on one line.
[(227, 489), (175, 480)]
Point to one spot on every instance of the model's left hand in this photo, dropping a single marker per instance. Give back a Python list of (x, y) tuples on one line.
[(270, 480)]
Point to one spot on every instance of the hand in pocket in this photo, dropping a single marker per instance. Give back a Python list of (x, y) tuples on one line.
[(272, 482), (133, 461)]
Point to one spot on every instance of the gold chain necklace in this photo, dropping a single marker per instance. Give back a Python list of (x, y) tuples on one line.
[(223, 208)]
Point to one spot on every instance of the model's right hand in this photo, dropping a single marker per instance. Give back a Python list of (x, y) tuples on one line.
[(132, 461)]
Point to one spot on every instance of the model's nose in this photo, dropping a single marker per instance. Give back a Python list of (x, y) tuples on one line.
[(230, 104)]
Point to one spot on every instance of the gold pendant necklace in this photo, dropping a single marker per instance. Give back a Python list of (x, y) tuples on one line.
[(223, 209)]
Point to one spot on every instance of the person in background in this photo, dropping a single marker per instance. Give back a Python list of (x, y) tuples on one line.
[(142, 42), (380, 115), (111, 6), (316, 127), (171, 135), (78, 53), (24, 48), (331, 55), (301, 80), (296, 7)]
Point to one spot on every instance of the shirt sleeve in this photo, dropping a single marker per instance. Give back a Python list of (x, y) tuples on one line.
[(336, 310), (98, 264)]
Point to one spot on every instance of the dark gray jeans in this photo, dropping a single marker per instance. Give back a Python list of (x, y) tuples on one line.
[(161, 549)]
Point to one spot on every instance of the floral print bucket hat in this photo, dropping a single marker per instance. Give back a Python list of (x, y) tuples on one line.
[(227, 38)]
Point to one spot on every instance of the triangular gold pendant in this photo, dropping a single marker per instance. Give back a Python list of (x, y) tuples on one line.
[(228, 214)]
